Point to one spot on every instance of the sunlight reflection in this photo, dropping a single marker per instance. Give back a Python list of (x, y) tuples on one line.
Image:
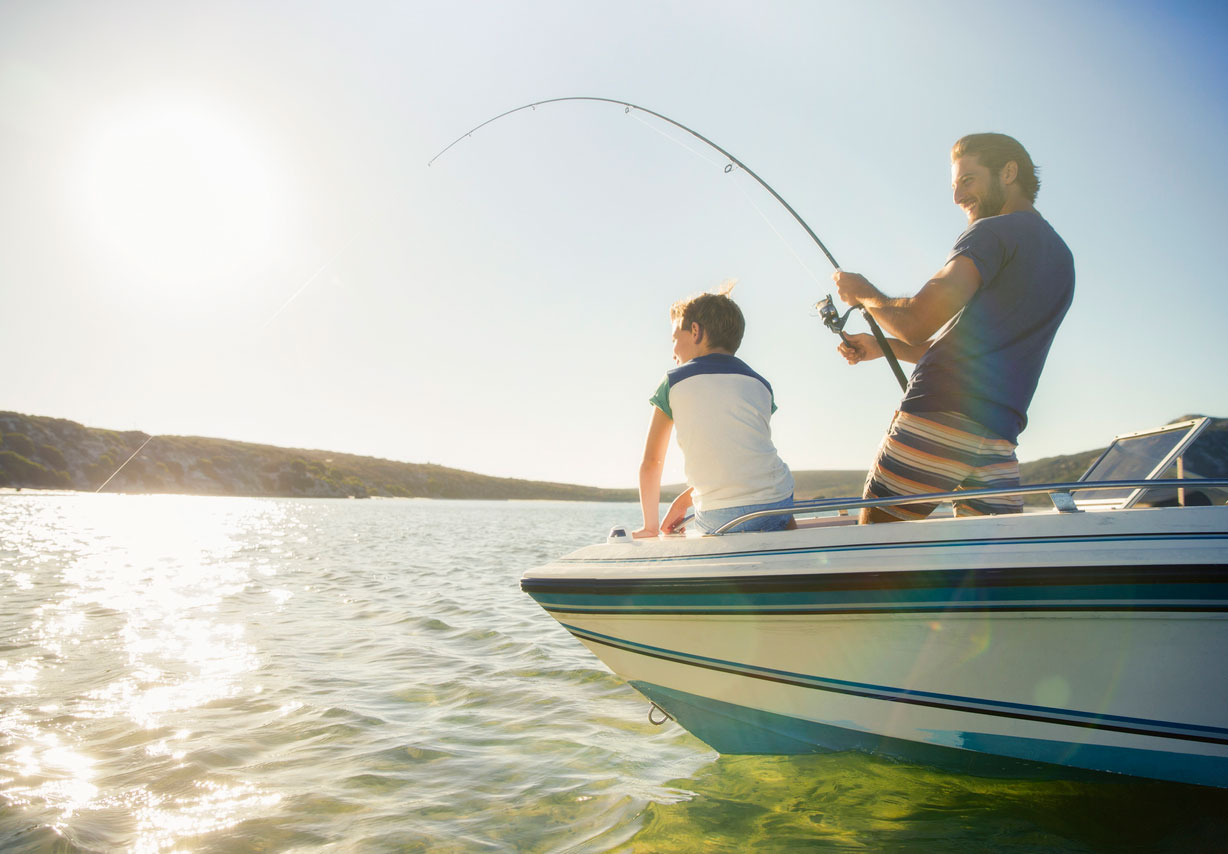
[(18, 678), (217, 807), (53, 773), (142, 596)]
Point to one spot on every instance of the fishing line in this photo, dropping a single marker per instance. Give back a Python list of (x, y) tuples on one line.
[(294, 295), (627, 108), (124, 463), (711, 162), (331, 260), (725, 166), (272, 317), (777, 232), (705, 158)]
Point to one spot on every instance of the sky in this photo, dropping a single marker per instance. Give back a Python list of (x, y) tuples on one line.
[(219, 219)]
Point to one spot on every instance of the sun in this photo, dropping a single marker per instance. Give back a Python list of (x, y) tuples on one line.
[(178, 195)]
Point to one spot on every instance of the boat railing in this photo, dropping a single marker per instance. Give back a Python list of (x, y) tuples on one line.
[(1061, 494)]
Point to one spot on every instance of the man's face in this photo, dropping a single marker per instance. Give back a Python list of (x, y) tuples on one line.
[(975, 189)]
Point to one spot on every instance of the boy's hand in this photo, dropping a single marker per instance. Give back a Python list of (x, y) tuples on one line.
[(677, 512), (643, 534), (672, 523), (861, 347)]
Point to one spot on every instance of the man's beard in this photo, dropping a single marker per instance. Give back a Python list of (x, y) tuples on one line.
[(992, 202)]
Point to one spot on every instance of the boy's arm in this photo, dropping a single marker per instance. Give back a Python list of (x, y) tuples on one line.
[(677, 510), (655, 446)]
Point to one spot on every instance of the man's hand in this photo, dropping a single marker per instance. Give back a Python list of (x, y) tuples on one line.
[(861, 347), (854, 288)]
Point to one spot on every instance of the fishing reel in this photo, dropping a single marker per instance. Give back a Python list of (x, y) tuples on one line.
[(831, 317), (834, 320)]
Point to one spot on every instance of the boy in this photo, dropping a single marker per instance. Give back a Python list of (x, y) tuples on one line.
[(721, 408)]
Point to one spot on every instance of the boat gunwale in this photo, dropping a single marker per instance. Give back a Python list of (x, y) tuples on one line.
[(1059, 493)]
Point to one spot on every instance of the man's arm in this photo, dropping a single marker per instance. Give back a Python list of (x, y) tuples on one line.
[(914, 320), (862, 347)]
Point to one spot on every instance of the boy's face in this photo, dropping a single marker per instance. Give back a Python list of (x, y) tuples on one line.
[(686, 342)]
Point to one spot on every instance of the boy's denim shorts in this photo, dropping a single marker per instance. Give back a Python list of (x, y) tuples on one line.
[(710, 520)]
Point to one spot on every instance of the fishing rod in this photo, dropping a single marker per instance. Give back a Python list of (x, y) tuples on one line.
[(834, 321), (627, 108)]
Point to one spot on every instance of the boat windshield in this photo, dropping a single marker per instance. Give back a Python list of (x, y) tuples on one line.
[(1138, 456)]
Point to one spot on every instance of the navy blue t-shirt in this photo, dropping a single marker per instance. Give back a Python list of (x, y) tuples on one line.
[(986, 361)]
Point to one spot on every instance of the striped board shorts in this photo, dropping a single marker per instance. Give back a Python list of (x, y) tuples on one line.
[(943, 452)]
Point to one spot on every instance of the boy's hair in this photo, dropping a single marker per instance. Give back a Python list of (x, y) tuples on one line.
[(995, 150), (718, 317)]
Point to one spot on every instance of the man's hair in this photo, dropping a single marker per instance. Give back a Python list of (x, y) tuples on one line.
[(995, 150), (717, 315)]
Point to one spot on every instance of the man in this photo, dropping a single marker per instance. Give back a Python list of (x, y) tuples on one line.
[(978, 331)]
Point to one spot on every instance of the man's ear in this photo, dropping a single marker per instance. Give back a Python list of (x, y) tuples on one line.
[(697, 332), (1009, 172)]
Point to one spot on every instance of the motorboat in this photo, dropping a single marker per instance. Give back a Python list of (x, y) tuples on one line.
[(1086, 637)]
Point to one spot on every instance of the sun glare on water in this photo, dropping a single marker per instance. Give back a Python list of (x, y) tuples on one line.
[(178, 195)]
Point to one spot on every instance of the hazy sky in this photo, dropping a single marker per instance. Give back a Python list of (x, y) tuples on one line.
[(217, 218)]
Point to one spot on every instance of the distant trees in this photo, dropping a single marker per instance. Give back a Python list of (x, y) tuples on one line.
[(25, 463), (19, 443), (52, 456), (294, 480), (17, 470)]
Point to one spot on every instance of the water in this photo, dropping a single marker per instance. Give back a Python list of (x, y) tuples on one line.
[(211, 674)]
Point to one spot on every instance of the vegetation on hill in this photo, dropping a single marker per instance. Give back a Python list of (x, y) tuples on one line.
[(52, 453)]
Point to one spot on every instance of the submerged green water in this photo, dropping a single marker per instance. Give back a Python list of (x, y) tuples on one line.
[(205, 674)]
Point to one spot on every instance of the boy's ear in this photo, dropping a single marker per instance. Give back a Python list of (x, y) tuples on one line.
[(697, 331)]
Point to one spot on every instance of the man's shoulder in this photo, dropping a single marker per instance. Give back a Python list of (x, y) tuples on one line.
[(1013, 225), (1006, 232)]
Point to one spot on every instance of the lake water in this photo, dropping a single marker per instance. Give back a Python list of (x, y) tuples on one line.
[(215, 674)]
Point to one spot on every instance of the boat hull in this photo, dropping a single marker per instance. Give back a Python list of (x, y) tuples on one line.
[(1084, 642)]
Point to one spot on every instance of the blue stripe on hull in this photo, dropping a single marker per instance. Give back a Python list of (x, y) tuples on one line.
[(1196, 588), (734, 729), (912, 696)]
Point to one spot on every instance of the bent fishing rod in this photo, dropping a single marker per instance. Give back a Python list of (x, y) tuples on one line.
[(733, 161)]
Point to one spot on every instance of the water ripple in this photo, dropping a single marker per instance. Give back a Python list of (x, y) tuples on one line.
[(205, 674)]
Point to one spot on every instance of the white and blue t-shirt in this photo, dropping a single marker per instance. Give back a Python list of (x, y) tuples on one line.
[(721, 410)]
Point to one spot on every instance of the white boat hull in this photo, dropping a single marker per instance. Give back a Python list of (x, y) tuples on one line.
[(1090, 641)]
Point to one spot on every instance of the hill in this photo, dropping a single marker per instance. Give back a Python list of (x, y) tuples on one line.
[(53, 453)]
